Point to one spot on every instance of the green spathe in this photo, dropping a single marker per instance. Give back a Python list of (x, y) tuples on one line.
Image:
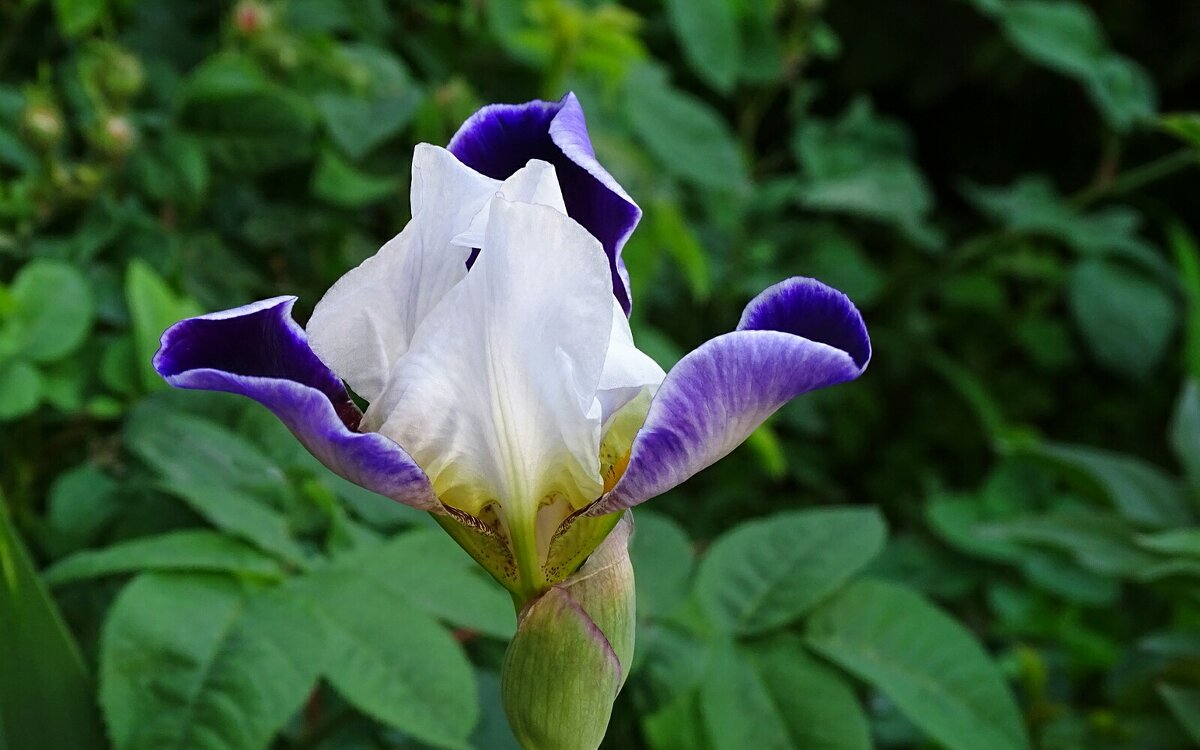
[(571, 653)]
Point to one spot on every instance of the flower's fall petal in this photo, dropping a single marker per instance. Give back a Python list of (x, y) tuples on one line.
[(495, 396), (795, 337), (499, 139), (258, 351), (366, 320)]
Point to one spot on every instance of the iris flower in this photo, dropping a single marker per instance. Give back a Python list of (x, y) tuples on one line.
[(491, 341)]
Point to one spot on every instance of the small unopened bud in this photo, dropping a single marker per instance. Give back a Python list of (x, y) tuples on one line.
[(251, 18), (116, 136), (572, 652), (123, 75), (43, 124)]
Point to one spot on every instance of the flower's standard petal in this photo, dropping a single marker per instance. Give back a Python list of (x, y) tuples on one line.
[(366, 320), (258, 351), (499, 139), (536, 182), (627, 370), (495, 396), (795, 337)]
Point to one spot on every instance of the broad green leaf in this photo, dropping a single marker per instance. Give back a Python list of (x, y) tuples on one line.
[(1033, 205), (861, 163), (337, 182), (928, 664), (1066, 36), (250, 129), (192, 451), (1099, 541), (708, 33), (672, 232), (1183, 125), (1185, 431), (1187, 260), (428, 568), (774, 696), (392, 661), (1185, 706), (1139, 491), (1056, 573), (959, 521), (20, 389), (662, 563), (243, 516), (195, 661), (153, 307), (46, 694), (1126, 318), (767, 573), (1184, 542), (357, 125), (687, 138), (51, 310), (78, 17), (82, 501), (191, 550)]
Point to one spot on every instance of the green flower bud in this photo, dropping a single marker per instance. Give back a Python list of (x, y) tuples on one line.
[(572, 652), (114, 136), (42, 122), (122, 76)]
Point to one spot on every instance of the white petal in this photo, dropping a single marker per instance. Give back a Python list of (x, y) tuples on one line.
[(495, 397), (627, 371), (536, 182), (366, 320)]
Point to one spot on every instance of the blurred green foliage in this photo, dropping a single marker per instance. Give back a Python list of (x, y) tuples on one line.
[(1005, 187)]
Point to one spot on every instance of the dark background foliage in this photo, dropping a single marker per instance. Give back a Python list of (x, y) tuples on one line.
[(1007, 188)]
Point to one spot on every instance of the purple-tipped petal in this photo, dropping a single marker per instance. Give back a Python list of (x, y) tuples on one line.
[(258, 351), (795, 337), (501, 138)]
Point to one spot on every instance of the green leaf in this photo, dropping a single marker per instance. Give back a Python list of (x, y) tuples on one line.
[(924, 661), (662, 561), (357, 125), (82, 501), (51, 310), (20, 390), (688, 138), (1127, 319), (78, 17), (1183, 125), (1183, 542), (861, 164), (191, 550), (774, 695), (249, 128), (194, 661), (1187, 260), (1067, 37), (243, 516), (336, 181), (670, 229), (1185, 707), (428, 568), (153, 306), (392, 661), (1185, 430), (708, 32), (767, 573), (46, 694), (192, 451), (1139, 491)]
